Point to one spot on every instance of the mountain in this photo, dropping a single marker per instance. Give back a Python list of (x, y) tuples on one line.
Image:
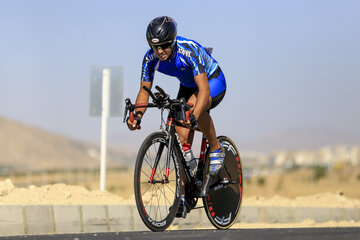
[(24, 147), (296, 139)]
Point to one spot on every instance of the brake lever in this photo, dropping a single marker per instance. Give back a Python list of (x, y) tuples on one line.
[(182, 106), (151, 94), (127, 102), (166, 96)]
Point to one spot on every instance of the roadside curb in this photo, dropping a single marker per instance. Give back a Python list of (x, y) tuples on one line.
[(40, 219)]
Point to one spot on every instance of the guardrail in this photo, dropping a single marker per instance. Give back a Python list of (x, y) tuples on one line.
[(39, 219)]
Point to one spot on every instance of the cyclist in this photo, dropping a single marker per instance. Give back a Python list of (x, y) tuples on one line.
[(202, 83)]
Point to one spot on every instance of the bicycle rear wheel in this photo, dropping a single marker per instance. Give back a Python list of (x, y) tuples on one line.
[(223, 206), (157, 201)]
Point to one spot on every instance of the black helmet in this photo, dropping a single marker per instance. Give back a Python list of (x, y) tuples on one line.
[(161, 30)]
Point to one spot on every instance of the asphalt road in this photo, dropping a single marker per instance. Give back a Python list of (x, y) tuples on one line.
[(246, 234)]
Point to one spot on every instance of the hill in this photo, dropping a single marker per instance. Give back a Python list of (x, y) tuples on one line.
[(24, 147)]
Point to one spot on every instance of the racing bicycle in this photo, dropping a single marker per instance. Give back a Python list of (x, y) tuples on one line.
[(161, 167)]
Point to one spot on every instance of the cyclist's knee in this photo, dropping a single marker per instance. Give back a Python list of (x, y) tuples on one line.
[(193, 99)]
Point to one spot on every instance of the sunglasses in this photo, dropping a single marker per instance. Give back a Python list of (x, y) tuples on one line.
[(163, 45)]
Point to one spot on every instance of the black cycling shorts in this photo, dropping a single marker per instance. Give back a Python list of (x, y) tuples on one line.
[(185, 92)]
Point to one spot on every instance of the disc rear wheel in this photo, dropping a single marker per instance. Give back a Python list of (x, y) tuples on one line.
[(223, 202)]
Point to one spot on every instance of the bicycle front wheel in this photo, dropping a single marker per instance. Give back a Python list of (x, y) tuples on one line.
[(157, 182)]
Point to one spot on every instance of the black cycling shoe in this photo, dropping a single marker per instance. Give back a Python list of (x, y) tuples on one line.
[(182, 211)]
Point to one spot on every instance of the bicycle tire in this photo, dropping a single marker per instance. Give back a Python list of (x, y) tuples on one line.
[(223, 206), (157, 203)]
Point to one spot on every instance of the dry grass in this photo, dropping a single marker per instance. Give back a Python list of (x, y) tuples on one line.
[(119, 181), (302, 182)]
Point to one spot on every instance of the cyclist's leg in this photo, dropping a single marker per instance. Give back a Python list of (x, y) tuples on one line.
[(185, 135), (205, 121), (217, 86), (207, 127)]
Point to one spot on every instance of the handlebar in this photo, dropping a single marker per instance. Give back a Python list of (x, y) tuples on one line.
[(160, 100)]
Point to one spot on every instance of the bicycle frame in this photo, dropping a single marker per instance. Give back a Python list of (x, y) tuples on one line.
[(161, 100), (172, 136)]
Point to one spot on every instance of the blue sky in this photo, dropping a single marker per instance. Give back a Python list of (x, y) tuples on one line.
[(288, 64)]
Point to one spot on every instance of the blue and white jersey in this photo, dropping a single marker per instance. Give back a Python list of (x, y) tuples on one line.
[(188, 60)]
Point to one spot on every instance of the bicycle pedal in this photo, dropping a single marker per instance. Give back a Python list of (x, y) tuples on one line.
[(182, 211)]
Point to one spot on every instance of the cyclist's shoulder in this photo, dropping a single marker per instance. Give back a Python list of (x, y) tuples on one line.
[(187, 44), (181, 39), (188, 47)]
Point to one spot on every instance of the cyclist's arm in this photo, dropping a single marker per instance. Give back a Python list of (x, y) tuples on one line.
[(203, 97), (196, 62), (142, 97)]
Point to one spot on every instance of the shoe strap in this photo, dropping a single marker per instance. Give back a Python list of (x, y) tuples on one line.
[(218, 161), (217, 154)]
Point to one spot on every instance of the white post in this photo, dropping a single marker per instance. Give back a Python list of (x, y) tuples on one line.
[(104, 117)]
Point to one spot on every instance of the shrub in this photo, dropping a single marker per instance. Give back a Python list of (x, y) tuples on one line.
[(261, 181), (112, 188), (319, 172)]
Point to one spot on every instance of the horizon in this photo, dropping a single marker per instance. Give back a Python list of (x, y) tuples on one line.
[(306, 142)]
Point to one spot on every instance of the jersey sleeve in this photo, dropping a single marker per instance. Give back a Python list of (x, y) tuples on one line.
[(148, 66), (196, 61)]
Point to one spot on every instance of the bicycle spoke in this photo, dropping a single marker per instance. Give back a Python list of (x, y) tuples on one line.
[(160, 198), (158, 207), (145, 174), (163, 192), (151, 199), (143, 193), (171, 171), (155, 195), (146, 160), (165, 197), (170, 188)]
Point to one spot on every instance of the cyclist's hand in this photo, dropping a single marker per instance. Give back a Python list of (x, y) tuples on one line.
[(132, 125), (191, 121), (133, 122), (186, 123)]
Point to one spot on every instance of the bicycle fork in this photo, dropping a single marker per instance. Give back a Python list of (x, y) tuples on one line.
[(156, 163)]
